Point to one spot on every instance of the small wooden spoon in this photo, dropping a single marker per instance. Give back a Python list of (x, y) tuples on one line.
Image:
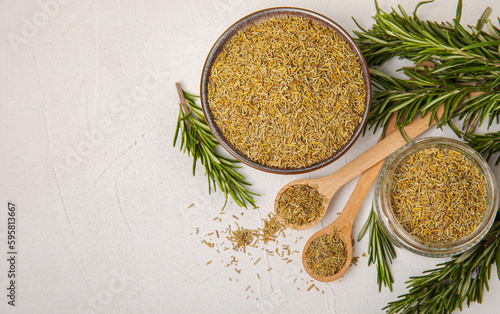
[(329, 185), (343, 224)]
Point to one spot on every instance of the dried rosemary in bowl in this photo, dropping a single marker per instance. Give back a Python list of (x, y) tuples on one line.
[(300, 204), (287, 92), (326, 255), (438, 195)]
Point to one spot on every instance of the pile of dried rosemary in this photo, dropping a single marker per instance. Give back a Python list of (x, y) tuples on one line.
[(242, 237), (287, 93), (326, 255)]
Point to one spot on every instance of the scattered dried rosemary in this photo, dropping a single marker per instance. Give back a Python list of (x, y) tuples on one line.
[(272, 227), (300, 204), (287, 92), (438, 195), (242, 237), (326, 255), (260, 245)]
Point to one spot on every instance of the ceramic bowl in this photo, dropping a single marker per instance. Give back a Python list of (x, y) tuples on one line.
[(259, 17)]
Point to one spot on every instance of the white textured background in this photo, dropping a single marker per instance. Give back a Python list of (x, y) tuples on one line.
[(88, 109)]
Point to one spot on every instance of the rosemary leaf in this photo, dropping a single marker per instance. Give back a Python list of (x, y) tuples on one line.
[(462, 279), (380, 250), (498, 262), (457, 68), (487, 144), (453, 66), (197, 141)]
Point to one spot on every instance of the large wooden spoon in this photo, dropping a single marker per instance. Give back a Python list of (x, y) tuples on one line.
[(329, 185), (343, 224)]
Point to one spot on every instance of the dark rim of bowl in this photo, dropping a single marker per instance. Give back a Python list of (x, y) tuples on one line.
[(245, 23)]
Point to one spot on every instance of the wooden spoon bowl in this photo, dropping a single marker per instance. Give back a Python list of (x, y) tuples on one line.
[(321, 190), (344, 232)]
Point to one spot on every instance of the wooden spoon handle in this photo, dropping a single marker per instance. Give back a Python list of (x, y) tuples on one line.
[(346, 218), (330, 184)]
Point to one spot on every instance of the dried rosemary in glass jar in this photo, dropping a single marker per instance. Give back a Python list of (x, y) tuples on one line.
[(438, 195), (287, 92), (326, 255), (300, 204)]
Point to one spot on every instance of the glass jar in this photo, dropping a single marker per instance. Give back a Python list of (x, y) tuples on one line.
[(399, 236)]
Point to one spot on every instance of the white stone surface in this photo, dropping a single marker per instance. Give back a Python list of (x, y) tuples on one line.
[(102, 196)]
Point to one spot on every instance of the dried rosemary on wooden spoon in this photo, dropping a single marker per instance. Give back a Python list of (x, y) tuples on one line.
[(300, 205), (326, 255)]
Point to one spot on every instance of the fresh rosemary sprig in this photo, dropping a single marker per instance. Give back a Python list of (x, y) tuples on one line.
[(446, 288), (458, 69), (453, 66), (380, 249), (486, 144), (409, 37), (409, 98), (198, 141)]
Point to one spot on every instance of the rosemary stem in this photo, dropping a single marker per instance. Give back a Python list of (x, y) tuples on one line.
[(198, 141), (182, 99)]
